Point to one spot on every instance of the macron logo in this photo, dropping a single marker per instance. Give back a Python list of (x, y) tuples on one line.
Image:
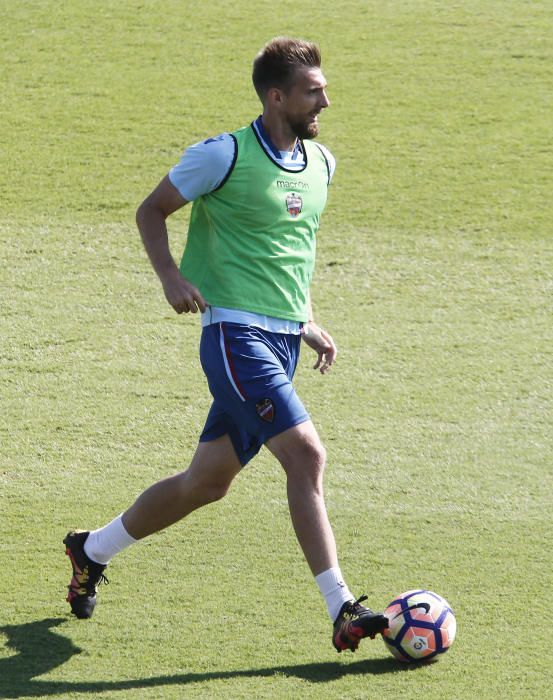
[(292, 185)]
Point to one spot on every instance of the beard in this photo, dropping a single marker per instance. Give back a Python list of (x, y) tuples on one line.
[(304, 128)]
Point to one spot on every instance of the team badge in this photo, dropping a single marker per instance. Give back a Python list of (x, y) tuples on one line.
[(294, 204), (265, 409)]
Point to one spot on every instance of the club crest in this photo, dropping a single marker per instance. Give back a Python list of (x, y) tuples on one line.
[(265, 409), (294, 203)]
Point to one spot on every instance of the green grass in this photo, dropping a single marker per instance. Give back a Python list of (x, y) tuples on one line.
[(434, 276)]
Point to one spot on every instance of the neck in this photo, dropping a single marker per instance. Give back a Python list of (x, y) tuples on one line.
[(279, 133)]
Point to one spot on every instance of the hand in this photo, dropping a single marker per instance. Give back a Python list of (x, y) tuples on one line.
[(320, 341), (182, 294)]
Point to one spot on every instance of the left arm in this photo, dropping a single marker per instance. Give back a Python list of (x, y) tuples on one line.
[(320, 341)]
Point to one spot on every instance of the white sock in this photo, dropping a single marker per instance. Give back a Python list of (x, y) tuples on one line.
[(334, 590), (103, 544)]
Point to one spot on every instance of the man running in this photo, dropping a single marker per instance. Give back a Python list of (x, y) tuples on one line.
[(258, 194)]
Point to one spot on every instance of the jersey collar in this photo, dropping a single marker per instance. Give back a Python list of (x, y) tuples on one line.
[(269, 146)]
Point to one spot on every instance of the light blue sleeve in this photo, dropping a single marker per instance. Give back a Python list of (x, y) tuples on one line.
[(330, 159), (203, 166)]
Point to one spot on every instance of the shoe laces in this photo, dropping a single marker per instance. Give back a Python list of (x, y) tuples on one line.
[(355, 607), (92, 582)]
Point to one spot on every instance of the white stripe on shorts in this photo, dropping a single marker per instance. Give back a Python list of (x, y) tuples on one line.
[(227, 365)]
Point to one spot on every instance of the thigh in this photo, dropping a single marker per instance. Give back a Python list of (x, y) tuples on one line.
[(215, 462), (253, 392), (220, 422)]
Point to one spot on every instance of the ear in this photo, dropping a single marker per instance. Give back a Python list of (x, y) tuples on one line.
[(274, 96)]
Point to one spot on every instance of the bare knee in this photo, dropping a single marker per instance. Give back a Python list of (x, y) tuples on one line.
[(306, 462), (210, 474), (202, 490), (212, 492)]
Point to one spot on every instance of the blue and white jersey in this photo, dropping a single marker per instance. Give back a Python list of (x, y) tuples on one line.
[(202, 168), (205, 165)]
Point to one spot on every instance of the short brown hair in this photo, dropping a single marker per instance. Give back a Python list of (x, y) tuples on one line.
[(276, 63)]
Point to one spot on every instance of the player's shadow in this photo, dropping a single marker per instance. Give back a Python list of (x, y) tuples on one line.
[(38, 650)]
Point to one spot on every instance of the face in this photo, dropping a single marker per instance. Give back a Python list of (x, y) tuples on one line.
[(304, 101)]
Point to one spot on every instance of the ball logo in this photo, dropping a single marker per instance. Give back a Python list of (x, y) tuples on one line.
[(294, 204)]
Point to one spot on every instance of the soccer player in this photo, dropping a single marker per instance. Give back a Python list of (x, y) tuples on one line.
[(258, 194)]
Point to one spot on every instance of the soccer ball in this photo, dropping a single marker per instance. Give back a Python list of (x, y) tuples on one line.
[(421, 626)]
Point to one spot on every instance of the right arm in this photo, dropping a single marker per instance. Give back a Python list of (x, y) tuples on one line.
[(151, 217)]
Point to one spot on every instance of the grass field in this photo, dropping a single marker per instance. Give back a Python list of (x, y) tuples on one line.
[(435, 277)]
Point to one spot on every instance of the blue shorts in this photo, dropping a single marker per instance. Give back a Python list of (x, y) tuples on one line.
[(249, 372)]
